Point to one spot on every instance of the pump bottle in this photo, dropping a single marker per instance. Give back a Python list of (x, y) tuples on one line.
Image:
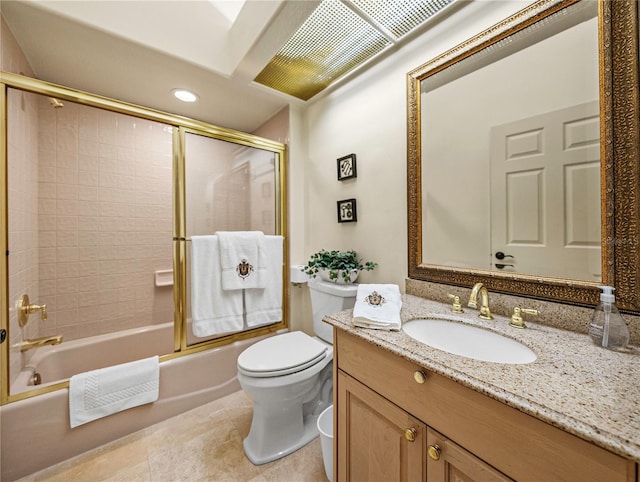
[(607, 328)]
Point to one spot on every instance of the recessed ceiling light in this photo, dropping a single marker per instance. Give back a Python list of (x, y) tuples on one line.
[(185, 95)]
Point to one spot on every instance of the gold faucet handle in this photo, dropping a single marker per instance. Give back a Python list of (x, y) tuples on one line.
[(41, 308), (43, 314), (25, 308), (456, 306), (516, 319)]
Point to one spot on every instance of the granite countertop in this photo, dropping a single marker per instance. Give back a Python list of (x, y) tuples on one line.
[(574, 385)]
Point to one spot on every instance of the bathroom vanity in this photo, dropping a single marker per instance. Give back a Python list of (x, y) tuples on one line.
[(406, 411)]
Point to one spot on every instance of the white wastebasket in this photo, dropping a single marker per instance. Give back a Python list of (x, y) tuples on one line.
[(325, 427)]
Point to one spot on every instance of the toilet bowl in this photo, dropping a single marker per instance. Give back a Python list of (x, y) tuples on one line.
[(290, 378)]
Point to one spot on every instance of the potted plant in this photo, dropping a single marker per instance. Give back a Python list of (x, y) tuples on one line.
[(336, 266)]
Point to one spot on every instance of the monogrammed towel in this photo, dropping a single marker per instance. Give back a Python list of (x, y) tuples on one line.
[(378, 306), (242, 259), (213, 310)]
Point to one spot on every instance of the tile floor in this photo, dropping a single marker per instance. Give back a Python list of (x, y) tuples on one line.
[(204, 444)]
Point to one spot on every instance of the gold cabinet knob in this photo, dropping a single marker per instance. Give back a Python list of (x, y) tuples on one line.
[(419, 376), (434, 451), (410, 434)]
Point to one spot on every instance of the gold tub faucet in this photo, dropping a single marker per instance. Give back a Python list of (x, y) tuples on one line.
[(38, 342), (485, 312)]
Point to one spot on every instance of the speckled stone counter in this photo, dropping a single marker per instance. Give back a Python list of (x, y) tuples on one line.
[(574, 385)]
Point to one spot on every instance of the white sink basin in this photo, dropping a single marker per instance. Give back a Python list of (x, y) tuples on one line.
[(468, 341)]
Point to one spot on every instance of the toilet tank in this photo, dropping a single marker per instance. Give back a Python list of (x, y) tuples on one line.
[(328, 298)]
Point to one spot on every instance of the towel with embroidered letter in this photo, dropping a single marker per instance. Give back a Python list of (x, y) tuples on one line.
[(242, 258), (265, 305), (378, 306), (213, 310), (102, 392)]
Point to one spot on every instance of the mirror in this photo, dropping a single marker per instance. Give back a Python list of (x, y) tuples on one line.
[(511, 173)]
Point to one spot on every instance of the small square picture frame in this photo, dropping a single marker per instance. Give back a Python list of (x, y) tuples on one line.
[(347, 167), (347, 211)]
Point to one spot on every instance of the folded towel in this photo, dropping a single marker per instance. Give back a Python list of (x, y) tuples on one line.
[(264, 305), (213, 310), (378, 306), (242, 259), (102, 392)]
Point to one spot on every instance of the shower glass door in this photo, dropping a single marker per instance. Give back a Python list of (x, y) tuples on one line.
[(101, 199), (228, 187), (89, 235)]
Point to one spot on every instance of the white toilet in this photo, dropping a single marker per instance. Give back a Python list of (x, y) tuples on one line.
[(290, 378)]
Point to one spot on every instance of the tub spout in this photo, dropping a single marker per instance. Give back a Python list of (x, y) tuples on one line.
[(37, 342)]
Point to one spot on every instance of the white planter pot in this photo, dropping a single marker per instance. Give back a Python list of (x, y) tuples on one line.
[(324, 276)]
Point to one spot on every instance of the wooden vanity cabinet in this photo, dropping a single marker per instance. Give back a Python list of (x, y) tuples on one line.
[(479, 438), (379, 440), (448, 462)]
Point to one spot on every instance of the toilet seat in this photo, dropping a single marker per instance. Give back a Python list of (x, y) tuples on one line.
[(281, 355)]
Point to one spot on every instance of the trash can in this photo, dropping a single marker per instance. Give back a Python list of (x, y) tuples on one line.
[(325, 427)]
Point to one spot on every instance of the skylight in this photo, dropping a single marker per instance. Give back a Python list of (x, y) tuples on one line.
[(340, 36)]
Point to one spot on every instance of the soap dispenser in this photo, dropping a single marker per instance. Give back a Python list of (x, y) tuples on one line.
[(607, 328)]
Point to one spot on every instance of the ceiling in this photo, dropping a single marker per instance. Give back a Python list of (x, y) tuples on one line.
[(138, 51)]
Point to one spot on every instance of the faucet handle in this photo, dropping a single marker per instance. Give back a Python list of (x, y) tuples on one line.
[(43, 314), (456, 306), (25, 308), (516, 319)]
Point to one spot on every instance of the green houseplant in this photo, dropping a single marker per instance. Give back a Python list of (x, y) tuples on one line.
[(337, 266)]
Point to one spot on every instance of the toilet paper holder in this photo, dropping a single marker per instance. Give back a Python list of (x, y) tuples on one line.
[(296, 275)]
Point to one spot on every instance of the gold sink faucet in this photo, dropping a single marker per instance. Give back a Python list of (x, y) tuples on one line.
[(485, 312), (38, 342)]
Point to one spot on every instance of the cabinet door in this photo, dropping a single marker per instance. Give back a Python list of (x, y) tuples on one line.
[(448, 462), (377, 441)]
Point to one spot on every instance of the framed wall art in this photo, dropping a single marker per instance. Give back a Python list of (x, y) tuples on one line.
[(347, 212), (347, 167)]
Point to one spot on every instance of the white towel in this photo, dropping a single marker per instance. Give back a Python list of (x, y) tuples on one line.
[(242, 259), (213, 310), (264, 305), (102, 392), (378, 306)]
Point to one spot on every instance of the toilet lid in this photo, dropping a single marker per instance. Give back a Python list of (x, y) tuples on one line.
[(282, 354)]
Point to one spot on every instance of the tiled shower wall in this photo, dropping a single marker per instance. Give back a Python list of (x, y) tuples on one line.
[(22, 195), (23, 216), (105, 220), (90, 213)]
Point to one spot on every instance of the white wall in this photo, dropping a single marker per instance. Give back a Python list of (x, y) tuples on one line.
[(367, 117)]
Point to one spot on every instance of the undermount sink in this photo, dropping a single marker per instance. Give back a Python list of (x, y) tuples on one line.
[(468, 341)]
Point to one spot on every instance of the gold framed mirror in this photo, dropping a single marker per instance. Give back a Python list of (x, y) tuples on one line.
[(616, 168)]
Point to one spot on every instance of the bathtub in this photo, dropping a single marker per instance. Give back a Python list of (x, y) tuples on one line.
[(35, 432)]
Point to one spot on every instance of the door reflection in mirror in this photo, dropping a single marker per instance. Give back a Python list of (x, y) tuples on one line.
[(547, 207)]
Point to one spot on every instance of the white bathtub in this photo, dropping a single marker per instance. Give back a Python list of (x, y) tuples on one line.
[(35, 432)]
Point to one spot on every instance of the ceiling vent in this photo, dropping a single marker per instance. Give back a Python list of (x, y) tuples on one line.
[(339, 36)]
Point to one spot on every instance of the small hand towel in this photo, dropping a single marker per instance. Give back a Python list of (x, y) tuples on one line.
[(242, 259), (102, 392), (213, 310), (264, 306), (378, 306)]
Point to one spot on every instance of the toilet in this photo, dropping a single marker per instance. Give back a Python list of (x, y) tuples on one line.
[(290, 378)]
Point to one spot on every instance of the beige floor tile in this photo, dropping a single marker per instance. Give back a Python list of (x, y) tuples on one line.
[(137, 473), (100, 463), (204, 444), (304, 465), (210, 419)]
